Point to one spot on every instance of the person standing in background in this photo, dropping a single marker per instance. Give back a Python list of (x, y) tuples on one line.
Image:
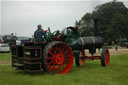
[(116, 45)]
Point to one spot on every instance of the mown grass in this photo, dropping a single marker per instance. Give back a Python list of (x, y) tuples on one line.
[(91, 73), (5, 56)]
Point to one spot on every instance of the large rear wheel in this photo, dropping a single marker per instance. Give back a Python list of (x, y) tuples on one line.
[(57, 58)]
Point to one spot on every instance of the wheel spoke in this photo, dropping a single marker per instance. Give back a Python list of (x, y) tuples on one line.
[(50, 58), (50, 62), (66, 52), (50, 53)]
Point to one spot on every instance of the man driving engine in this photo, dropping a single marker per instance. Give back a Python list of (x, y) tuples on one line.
[(39, 34)]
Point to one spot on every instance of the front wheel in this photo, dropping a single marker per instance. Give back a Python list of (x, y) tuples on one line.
[(105, 57), (78, 58)]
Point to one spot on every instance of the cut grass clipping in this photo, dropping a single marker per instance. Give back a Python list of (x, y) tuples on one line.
[(91, 73)]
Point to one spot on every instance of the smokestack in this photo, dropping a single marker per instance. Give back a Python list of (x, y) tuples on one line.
[(97, 31)]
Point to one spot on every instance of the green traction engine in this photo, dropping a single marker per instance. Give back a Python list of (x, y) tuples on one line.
[(58, 51)]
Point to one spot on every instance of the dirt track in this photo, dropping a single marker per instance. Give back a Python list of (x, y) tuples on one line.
[(5, 62), (112, 52), (120, 51)]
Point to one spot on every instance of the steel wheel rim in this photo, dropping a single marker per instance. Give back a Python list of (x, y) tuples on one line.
[(107, 58), (59, 59), (82, 61)]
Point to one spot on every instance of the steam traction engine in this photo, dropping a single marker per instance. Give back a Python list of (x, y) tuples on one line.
[(57, 52)]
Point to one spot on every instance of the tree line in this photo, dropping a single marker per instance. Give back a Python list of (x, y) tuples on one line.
[(112, 21)]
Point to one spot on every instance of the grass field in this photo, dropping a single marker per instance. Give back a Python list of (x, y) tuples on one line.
[(5, 56), (91, 73)]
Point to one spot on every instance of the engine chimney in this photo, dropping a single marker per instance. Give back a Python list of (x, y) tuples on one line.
[(97, 31)]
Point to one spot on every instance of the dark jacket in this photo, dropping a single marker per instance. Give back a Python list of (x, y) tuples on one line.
[(39, 35)]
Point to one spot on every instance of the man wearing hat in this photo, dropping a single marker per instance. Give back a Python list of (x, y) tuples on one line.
[(39, 34)]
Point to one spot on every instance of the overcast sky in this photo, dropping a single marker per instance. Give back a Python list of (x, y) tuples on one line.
[(22, 17)]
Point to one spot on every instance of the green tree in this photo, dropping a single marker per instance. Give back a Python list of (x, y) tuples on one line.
[(112, 19)]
